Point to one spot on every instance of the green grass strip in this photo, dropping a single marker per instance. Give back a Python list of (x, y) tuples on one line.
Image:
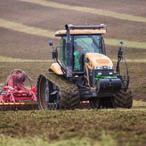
[(83, 9), (11, 59), (105, 140), (129, 44), (19, 27)]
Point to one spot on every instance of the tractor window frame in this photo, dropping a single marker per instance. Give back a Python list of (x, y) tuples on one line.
[(62, 49), (103, 45)]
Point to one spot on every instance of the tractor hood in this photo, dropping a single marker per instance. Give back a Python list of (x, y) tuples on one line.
[(96, 60)]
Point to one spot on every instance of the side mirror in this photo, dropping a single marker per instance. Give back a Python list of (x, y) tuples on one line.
[(120, 57), (50, 42), (120, 52), (54, 54)]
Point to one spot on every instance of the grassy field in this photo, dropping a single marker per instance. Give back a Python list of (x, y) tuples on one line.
[(107, 127), (78, 127), (26, 26)]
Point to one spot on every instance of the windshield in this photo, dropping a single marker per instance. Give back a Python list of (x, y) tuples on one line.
[(88, 43), (84, 44)]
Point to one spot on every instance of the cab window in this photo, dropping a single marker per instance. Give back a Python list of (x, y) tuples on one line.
[(84, 44), (62, 50)]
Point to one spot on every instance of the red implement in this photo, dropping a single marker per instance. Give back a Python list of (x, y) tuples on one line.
[(15, 93)]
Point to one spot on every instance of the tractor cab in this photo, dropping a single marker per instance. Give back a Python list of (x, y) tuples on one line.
[(75, 43), (81, 44)]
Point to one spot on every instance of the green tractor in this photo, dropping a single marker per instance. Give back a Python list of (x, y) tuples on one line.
[(82, 72)]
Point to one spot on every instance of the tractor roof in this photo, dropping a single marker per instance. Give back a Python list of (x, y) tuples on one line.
[(82, 30)]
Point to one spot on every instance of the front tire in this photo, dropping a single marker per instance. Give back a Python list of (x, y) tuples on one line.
[(123, 99)]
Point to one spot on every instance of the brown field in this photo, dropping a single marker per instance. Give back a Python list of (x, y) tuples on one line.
[(53, 19), (126, 20)]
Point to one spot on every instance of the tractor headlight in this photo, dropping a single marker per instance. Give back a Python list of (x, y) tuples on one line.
[(110, 73), (99, 73), (99, 67), (108, 67), (104, 67), (104, 72)]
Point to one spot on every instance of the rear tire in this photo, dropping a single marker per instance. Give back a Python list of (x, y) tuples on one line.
[(123, 99), (48, 97), (59, 100)]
